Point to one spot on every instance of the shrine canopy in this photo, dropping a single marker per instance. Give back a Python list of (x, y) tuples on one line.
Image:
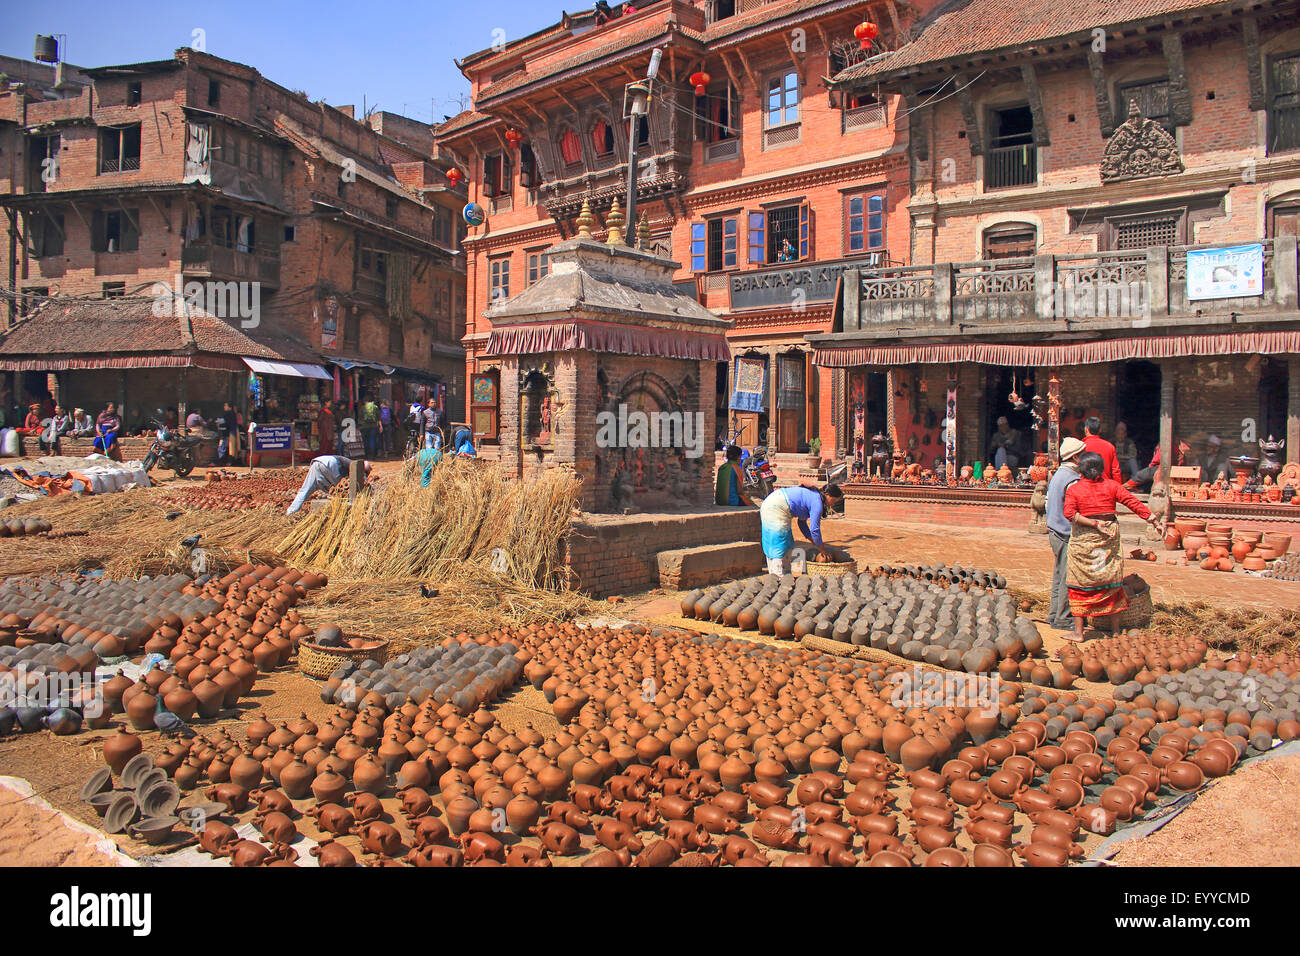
[(603, 297)]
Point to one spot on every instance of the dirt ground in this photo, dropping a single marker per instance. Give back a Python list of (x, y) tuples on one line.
[(1246, 819)]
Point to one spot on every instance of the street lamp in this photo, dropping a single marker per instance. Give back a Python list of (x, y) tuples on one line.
[(640, 93)]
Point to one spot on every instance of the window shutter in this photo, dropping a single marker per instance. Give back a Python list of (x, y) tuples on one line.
[(130, 234), (757, 237), (699, 247), (730, 242), (703, 113), (805, 231), (98, 233), (507, 172), (527, 167)]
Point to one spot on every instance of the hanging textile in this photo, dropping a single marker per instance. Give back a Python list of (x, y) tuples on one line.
[(750, 392)]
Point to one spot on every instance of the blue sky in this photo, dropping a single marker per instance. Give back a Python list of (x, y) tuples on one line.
[(396, 55)]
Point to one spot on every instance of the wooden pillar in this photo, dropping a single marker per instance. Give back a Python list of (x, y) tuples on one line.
[(1293, 410), (180, 397), (773, 441), (1053, 416), (356, 479), (121, 395), (1168, 381)]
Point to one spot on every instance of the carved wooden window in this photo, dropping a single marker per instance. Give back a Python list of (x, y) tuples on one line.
[(527, 167), (45, 234), (602, 138), (717, 114), (1152, 97), (1284, 103), (864, 222), (1012, 240), (571, 148), (1143, 232)]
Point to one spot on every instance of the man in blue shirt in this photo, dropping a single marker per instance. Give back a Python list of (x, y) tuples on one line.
[(802, 503), (1058, 532)]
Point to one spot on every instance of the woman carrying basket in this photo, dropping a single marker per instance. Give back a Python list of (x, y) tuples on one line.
[(1095, 569)]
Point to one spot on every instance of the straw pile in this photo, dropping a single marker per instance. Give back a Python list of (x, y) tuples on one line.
[(128, 534), (470, 520)]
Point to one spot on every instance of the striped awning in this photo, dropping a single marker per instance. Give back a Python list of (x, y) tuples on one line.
[(1073, 353), (608, 337), (63, 363)]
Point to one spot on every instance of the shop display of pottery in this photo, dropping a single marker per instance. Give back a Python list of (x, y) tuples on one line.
[(970, 629)]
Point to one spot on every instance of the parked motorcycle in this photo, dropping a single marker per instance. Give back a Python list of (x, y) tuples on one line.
[(171, 450), (760, 479)]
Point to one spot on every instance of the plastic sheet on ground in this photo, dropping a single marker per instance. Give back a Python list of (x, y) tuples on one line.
[(1162, 813), (193, 856), (97, 839)]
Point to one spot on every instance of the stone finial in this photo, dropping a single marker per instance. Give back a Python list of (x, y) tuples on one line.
[(585, 219), (643, 233), (615, 223)]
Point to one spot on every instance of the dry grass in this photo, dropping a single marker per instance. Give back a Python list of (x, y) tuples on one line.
[(129, 534)]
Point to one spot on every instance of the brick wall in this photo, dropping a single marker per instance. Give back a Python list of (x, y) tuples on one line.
[(618, 556)]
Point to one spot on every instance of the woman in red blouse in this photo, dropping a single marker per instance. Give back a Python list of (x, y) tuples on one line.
[(1095, 570)]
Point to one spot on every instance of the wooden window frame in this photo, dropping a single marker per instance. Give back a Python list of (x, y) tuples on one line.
[(782, 76), (1290, 208), (498, 175), (106, 135), (803, 241), (498, 279), (866, 195), (1111, 225), (570, 136), (1005, 229), (539, 265), (1121, 101), (726, 259), (1271, 107), (602, 124)]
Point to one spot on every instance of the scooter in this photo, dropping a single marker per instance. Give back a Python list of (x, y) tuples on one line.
[(171, 450)]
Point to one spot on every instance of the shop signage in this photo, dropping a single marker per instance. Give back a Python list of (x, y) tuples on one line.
[(273, 438), (1225, 273), (329, 329), (810, 282)]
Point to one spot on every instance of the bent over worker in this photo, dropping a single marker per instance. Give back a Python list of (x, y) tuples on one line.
[(785, 504), (325, 472)]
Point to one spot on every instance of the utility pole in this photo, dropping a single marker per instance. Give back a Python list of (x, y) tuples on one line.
[(640, 106)]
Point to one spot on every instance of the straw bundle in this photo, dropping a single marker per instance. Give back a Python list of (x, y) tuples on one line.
[(470, 518)]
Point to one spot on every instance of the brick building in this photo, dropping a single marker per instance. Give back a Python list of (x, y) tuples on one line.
[(1076, 172), (763, 184), (337, 241)]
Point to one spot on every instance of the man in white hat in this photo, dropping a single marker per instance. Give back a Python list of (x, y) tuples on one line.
[(1214, 461), (1058, 532)]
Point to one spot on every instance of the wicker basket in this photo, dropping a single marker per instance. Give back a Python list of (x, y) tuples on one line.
[(1137, 614), (320, 662), (843, 565)]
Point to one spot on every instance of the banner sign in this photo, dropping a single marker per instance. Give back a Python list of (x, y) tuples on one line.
[(273, 438), (815, 282), (1225, 273)]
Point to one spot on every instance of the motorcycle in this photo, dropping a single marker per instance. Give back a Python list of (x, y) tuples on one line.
[(171, 450), (760, 479)]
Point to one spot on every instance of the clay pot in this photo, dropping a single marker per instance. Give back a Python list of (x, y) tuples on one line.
[(120, 748)]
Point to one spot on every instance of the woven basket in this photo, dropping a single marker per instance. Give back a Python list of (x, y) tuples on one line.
[(320, 662), (831, 568), (1137, 614)]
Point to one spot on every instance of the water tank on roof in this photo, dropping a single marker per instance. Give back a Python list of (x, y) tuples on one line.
[(47, 49)]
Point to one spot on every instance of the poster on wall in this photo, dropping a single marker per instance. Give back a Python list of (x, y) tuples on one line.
[(329, 327), (1225, 273)]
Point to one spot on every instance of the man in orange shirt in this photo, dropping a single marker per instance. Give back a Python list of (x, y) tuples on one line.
[(1092, 441)]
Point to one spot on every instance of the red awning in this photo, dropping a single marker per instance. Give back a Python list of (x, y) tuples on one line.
[(62, 363), (1075, 353), (607, 337)]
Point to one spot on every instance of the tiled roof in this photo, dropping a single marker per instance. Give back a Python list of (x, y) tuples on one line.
[(961, 28), (623, 40), (722, 29), (460, 121), (128, 325)]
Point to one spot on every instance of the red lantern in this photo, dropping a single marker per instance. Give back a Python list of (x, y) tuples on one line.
[(454, 176), (866, 31), (700, 80), (514, 137)]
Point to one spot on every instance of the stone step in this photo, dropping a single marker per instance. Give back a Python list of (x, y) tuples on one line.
[(686, 568)]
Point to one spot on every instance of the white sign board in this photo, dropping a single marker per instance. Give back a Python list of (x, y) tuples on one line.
[(1225, 273)]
